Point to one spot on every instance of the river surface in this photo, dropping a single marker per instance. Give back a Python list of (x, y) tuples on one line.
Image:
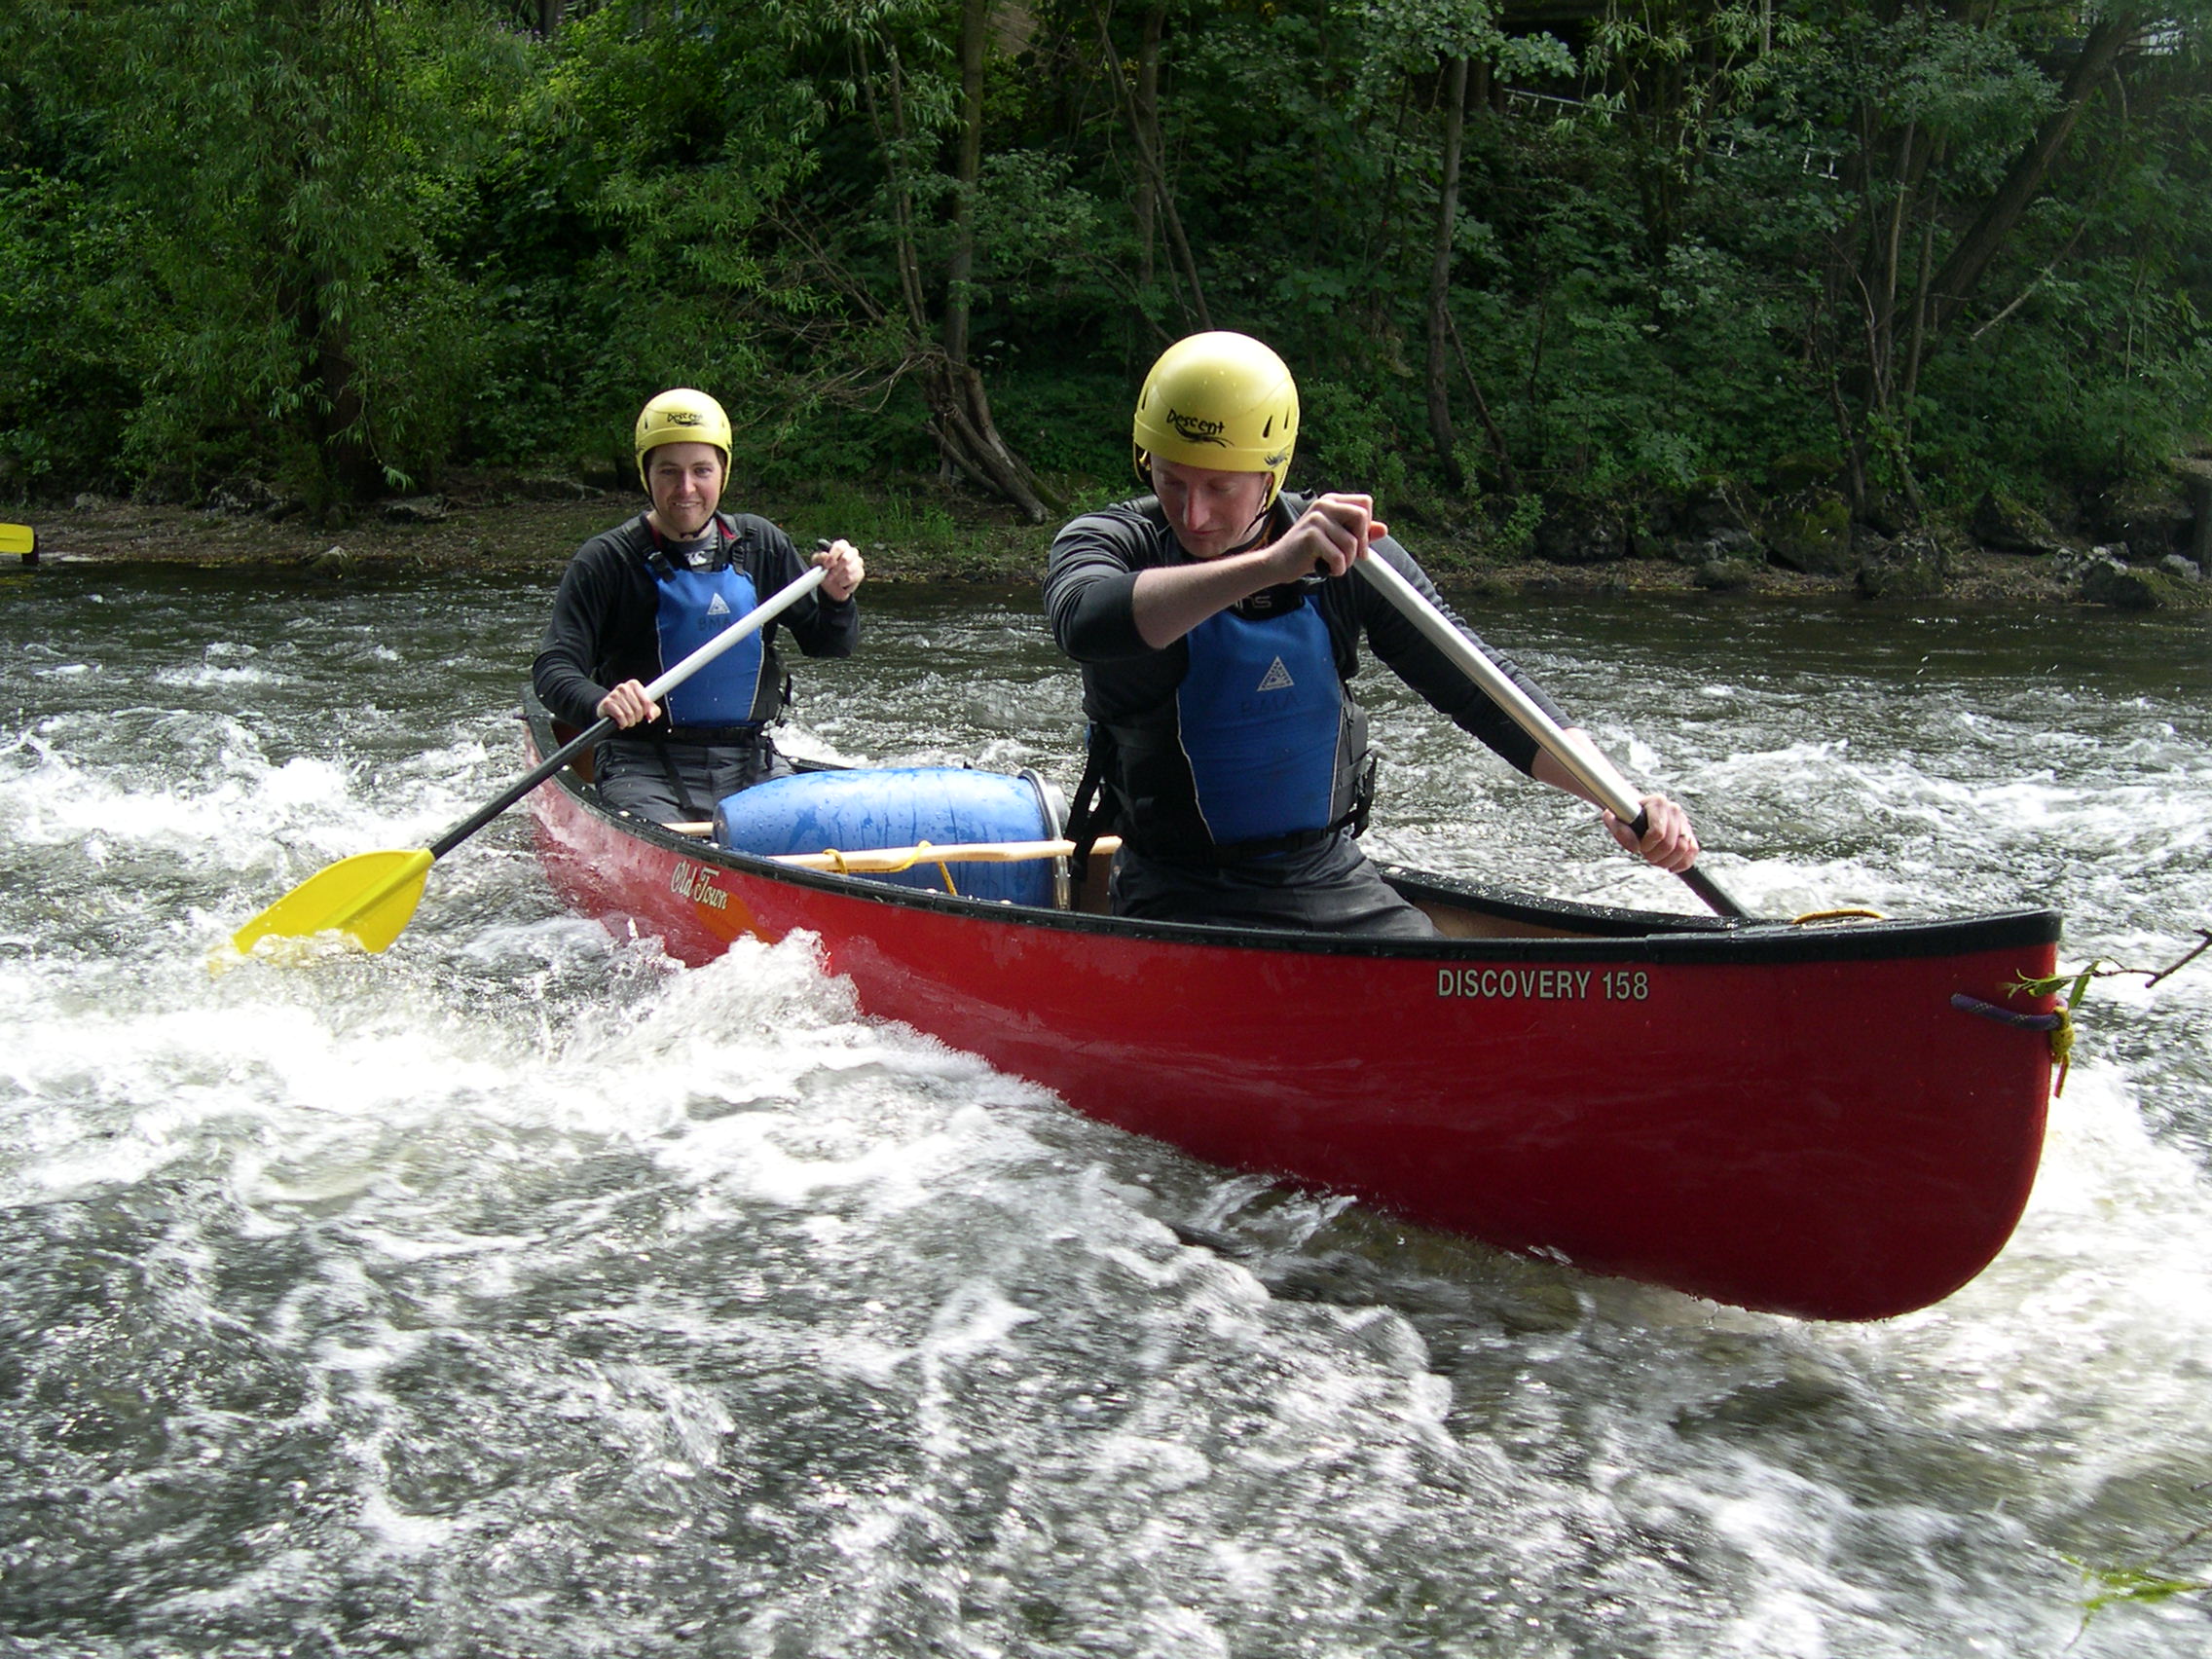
[(522, 1292)]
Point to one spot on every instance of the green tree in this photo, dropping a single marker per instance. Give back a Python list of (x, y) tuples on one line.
[(1597, 249), (626, 236), (1845, 200), (287, 178)]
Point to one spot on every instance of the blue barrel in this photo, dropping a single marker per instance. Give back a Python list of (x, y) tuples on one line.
[(867, 807)]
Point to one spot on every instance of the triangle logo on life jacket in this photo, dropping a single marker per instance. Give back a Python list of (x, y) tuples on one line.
[(1276, 678), (715, 607)]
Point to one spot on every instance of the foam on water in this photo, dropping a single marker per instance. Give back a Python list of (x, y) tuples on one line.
[(521, 1291)]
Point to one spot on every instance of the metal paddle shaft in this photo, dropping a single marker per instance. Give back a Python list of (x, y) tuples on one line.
[(750, 623), (370, 896), (1582, 759)]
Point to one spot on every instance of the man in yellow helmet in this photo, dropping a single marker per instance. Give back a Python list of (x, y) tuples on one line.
[(640, 598), (1217, 621)]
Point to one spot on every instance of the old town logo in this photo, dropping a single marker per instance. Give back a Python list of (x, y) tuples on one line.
[(1196, 428), (696, 883)]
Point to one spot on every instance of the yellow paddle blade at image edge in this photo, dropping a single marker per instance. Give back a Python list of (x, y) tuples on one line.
[(368, 898), (17, 538)]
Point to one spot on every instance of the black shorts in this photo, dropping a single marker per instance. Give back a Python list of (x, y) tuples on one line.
[(1330, 887), (679, 783)]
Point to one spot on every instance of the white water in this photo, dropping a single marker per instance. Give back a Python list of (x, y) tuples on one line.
[(520, 1292)]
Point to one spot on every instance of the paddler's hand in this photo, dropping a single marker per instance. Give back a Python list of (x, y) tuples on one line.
[(842, 559), (627, 705), (1668, 840), (1333, 531)]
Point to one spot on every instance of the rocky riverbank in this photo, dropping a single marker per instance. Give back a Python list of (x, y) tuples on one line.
[(535, 524)]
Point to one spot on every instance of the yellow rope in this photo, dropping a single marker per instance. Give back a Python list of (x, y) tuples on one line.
[(914, 857), (1843, 915)]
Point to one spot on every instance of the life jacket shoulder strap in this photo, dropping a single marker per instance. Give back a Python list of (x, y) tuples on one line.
[(1090, 811)]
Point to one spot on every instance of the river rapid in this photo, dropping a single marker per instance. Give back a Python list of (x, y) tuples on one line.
[(520, 1292)]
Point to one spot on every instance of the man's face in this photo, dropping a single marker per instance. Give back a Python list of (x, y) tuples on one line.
[(1211, 512), (686, 483)]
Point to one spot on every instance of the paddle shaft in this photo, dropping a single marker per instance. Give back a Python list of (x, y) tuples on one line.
[(750, 623), (1582, 760)]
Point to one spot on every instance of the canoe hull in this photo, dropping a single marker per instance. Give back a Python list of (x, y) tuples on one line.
[(1792, 1121)]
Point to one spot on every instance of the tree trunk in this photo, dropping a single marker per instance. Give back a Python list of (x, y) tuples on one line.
[(332, 408), (960, 411), (960, 420), (1969, 260), (343, 424), (1439, 277), (959, 269), (1148, 119), (1150, 165)]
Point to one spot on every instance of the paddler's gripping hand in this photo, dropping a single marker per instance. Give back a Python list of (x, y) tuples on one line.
[(1168, 600), (627, 705), (1331, 533), (1668, 840), (842, 559)]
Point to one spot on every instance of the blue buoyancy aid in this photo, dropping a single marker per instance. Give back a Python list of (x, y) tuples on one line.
[(1261, 719), (695, 605)]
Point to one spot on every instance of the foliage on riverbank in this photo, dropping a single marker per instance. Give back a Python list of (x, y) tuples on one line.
[(502, 525), (1553, 279)]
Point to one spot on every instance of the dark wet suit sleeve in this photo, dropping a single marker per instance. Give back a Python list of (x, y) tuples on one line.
[(1410, 655), (1090, 584), (587, 610), (823, 627), (604, 618)]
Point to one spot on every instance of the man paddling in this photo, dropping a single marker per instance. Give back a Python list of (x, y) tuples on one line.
[(1216, 622), (643, 596)]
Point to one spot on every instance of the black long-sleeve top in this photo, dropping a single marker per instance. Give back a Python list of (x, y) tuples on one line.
[(603, 628), (1089, 595)]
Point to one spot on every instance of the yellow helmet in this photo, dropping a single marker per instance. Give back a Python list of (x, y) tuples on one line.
[(1220, 400), (681, 417)]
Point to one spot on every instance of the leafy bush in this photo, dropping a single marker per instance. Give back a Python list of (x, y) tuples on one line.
[(346, 245)]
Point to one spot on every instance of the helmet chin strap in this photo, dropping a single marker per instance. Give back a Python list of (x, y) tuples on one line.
[(1254, 531)]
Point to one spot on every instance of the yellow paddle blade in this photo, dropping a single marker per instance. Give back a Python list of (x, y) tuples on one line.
[(368, 898), (17, 538)]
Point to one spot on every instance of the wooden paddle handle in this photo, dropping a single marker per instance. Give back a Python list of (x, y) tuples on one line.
[(885, 860)]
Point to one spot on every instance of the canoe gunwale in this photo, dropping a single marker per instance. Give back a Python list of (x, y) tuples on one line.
[(1602, 931)]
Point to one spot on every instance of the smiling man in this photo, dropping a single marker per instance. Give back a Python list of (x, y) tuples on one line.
[(640, 598), (1217, 622)]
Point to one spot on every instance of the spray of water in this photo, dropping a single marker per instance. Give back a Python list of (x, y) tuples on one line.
[(521, 1291)]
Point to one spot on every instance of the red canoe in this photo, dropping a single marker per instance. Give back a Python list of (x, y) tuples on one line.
[(1792, 1119)]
